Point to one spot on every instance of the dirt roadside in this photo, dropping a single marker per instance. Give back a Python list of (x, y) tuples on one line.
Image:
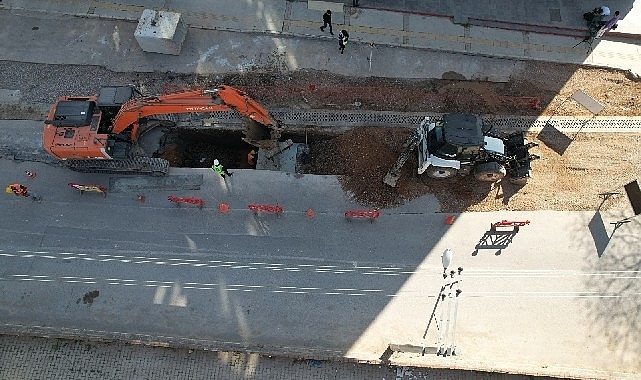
[(563, 179), (592, 163)]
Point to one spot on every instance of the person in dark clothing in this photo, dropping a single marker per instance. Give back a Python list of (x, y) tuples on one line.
[(610, 24), (327, 20), (355, 3), (342, 40), (251, 158)]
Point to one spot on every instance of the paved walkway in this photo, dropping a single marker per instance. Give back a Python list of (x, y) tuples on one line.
[(537, 31), (29, 358)]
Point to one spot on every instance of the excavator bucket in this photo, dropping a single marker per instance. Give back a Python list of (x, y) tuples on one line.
[(260, 129)]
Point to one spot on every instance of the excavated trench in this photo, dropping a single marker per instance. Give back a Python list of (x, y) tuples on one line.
[(197, 148), (193, 148)]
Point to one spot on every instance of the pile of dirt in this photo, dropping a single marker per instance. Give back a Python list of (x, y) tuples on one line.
[(362, 157), (571, 174), (539, 88)]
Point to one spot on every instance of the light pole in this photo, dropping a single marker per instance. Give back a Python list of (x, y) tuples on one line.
[(448, 286), (446, 259)]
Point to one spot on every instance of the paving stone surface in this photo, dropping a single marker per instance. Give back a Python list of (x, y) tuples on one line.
[(27, 358)]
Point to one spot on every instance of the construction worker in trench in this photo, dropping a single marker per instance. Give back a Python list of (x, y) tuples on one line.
[(218, 168), (251, 158)]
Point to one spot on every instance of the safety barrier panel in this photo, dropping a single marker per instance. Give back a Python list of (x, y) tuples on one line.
[(192, 201), (256, 208), (369, 214), (90, 188), (507, 223)]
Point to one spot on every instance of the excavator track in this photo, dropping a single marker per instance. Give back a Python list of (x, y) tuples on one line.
[(138, 165)]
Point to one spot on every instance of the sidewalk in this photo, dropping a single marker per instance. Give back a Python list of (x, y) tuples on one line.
[(28, 358), (467, 28)]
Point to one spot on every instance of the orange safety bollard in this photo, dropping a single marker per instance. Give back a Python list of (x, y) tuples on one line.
[(309, 213), (449, 220), (223, 207)]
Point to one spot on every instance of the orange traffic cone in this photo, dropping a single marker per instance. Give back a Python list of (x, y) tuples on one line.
[(310, 213), (223, 207), (449, 220)]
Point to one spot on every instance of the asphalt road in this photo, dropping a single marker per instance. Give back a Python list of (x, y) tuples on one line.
[(197, 273), (319, 287)]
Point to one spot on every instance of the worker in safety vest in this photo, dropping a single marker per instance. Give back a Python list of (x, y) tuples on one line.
[(218, 168), (17, 189), (342, 40)]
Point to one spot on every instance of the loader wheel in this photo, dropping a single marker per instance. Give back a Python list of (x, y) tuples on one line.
[(489, 172), (440, 172)]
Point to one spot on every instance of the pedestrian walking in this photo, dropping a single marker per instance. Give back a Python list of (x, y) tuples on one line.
[(343, 36), (327, 20), (596, 14), (30, 174), (611, 24), (220, 170)]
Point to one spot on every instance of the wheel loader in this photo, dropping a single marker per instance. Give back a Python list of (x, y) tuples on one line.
[(460, 144)]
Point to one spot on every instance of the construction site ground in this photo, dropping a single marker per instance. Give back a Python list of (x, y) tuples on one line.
[(572, 170), (566, 281)]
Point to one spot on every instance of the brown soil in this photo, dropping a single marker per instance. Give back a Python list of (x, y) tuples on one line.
[(592, 163), (542, 88), (569, 179)]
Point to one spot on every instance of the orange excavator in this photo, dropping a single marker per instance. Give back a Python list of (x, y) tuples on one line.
[(101, 133)]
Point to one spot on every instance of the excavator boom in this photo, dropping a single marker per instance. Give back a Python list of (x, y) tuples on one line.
[(223, 98)]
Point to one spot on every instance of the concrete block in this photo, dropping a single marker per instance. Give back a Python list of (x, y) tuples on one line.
[(160, 32)]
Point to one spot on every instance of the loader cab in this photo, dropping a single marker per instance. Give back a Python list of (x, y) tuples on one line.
[(457, 137)]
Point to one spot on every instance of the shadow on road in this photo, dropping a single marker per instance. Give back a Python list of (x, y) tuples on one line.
[(554, 139), (598, 232), (494, 239), (615, 313)]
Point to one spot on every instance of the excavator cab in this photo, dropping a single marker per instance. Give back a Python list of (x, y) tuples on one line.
[(110, 99)]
